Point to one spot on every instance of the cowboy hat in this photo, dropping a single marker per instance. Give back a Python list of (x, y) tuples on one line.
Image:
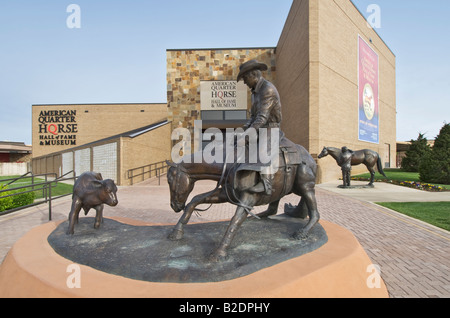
[(250, 66)]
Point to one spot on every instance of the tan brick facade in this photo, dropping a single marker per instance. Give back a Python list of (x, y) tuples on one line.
[(143, 150), (317, 76), (77, 125), (106, 138)]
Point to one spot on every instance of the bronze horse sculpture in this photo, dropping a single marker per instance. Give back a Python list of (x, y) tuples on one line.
[(367, 157), (232, 187)]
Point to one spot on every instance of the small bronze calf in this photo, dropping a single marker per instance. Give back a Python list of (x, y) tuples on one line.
[(90, 191)]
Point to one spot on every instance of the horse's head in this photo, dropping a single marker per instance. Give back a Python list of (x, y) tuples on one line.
[(180, 185), (324, 153)]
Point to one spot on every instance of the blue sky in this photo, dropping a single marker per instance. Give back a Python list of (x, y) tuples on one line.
[(119, 53)]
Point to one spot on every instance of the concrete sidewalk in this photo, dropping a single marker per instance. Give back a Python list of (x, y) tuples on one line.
[(385, 192), (413, 256)]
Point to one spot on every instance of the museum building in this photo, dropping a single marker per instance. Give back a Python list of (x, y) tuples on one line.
[(108, 138), (335, 76)]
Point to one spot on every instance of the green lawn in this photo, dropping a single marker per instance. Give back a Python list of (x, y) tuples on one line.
[(435, 213), (60, 189), (398, 175)]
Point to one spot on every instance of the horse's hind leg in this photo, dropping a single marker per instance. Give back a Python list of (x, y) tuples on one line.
[(271, 210), (308, 194), (372, 174)]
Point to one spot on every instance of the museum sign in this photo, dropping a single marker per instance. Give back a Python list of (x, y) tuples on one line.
[(58, 128), (223, 95)]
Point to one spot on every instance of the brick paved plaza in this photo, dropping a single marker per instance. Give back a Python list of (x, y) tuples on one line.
[(413, 256)]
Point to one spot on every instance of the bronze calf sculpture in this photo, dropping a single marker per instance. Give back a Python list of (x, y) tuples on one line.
[(90, 191)]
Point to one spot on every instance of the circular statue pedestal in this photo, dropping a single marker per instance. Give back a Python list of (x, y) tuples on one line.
[(125, 258), (367, 186)]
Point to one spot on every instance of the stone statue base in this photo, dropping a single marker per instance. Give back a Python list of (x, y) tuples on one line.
[(335, 267), (145, 253), (367, 186)]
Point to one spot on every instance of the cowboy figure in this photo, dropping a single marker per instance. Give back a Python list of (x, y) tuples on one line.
[(345, 161), (265, 112)]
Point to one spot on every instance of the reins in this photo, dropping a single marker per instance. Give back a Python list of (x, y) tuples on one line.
[(247, 208), (224, 179)]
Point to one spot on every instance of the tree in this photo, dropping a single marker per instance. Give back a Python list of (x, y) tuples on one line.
[(435, 165), (418, 149)]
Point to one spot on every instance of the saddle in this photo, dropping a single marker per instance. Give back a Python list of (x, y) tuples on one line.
[(288, 155)]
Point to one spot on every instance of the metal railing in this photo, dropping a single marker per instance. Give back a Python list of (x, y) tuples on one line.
[(146, 172), (45, 187)]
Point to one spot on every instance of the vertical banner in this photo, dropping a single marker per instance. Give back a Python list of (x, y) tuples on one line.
[(368, 101)]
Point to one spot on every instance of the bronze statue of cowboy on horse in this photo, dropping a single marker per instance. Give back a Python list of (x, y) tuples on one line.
[(247, 185)]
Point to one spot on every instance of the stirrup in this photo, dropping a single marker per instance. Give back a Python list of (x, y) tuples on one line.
[(261, 188)]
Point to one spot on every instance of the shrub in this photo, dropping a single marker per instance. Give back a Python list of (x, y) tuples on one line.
[(23, 199), (15, 201), (435, 165), (418, 149), (5, 203)]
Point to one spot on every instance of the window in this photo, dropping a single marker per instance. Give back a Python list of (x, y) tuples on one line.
[(224, 115)]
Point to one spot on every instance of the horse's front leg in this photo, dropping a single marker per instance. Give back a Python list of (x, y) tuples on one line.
[(221, 252), (213, 197), (239, 217)]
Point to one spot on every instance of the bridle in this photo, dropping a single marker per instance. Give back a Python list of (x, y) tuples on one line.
[(180, 170), (223, 179)]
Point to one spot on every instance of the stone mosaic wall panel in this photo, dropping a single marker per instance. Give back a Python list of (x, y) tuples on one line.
[(186, 68)]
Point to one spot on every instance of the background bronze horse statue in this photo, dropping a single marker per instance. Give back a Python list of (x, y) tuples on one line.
[(232, 187), (367, 157)]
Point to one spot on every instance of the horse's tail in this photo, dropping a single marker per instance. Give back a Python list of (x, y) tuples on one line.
[(380, 167)]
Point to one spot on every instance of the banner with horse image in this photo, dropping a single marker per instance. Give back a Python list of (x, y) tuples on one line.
[(368, 85)]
